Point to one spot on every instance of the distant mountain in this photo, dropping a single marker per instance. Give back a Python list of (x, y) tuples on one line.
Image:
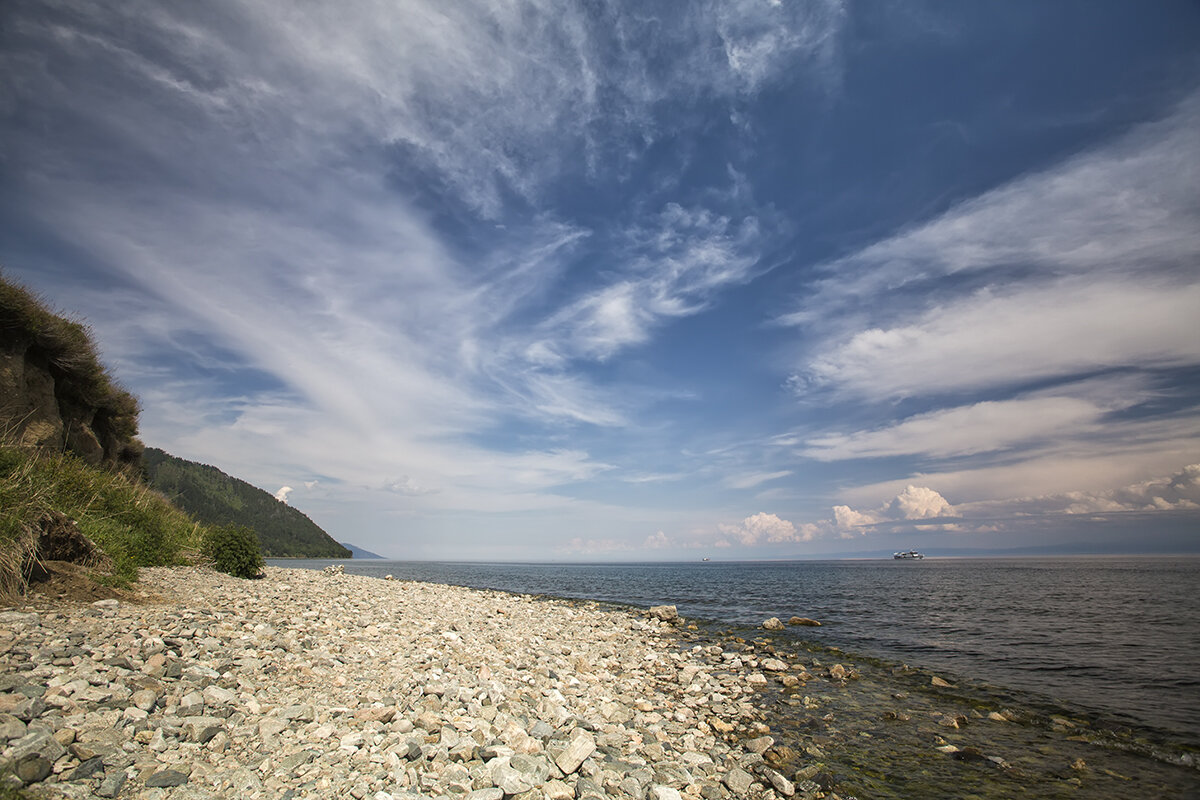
[(358, 552), (214, 498)]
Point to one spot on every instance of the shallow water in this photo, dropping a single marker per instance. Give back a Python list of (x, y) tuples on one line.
[(1096, 662)]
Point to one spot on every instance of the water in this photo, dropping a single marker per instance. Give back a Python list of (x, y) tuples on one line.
[(1113, 643)]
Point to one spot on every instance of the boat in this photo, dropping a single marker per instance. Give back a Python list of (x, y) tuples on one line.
[(706, 558), (907, 554)]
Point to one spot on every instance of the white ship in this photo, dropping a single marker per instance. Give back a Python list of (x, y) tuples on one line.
[(907, 554)]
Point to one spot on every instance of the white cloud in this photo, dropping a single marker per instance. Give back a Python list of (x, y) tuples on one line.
[(750, 480), (764, 527), (282, 494), (656, 541), (915, 502), (994, 339), (1129, 204), (965, 430), (670, 269), (1178, 492), (407, 486)]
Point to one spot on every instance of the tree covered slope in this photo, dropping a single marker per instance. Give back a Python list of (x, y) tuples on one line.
[(215, 498)]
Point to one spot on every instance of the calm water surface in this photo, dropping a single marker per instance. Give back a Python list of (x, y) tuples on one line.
[(1114, 637)]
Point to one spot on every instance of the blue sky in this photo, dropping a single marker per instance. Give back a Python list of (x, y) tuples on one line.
[(549, 280)]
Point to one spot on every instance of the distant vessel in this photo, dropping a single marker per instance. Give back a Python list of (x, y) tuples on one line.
[(706, 558), (907, 554)]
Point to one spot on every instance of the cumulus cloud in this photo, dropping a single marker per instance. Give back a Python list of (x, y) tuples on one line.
[(764, 527), (1177, 492), (914, 503), (282, 494), (656, 541)]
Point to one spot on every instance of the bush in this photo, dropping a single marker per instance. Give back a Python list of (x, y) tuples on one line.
[(233, 549)]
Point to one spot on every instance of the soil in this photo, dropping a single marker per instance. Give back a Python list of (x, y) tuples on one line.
[(73, 583)]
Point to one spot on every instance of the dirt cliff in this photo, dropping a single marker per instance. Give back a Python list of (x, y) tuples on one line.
[(54, 393)]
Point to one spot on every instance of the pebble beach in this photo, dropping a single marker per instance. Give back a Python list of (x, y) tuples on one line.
[(321, 684)]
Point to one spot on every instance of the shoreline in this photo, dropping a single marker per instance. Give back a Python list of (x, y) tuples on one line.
[(311, 684), (342, 685)]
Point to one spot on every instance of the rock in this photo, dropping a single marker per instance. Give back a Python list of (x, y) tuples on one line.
[(11, 727), (113, 781), (663, 793), (165, 778), (804, 621), (774, 665), (145, 699), (202, 729), (936, 681), (40, 743), (509, 780), (557, 790), (781, 784), (738, 781), (492, 793), (837, 672), (773, 624), (87, 769), (759, 744), (581, 745), (665, 613), (376, 714), (33, 768)]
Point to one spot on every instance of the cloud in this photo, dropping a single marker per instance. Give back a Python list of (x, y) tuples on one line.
[(656, 541), (282, 494), (1100, 277), (764, 527), (1126, 203), (407, 486), (995, 338), (750, 480), (671, 269), (914, 503), (967, 430), (1177, 492)]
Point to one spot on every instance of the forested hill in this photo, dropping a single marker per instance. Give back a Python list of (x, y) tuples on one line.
[(213, 497)]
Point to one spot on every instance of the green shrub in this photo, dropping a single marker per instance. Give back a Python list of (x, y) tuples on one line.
[(233, 549)]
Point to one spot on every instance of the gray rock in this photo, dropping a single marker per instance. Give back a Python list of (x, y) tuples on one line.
[(491, 793), (40, 742), (113, 781), (11, 727), (165, 778), (202, 729), (773, 624), (299, 713), (87, 769), (663, 793), (759, 744), (738, 781), (290, 763), (781, 784), (509, 780)]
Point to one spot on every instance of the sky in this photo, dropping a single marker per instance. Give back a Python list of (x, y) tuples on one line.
[(607, 281)]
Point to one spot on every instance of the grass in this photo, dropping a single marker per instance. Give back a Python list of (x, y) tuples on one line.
[(66, 347), (133, 525)]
